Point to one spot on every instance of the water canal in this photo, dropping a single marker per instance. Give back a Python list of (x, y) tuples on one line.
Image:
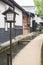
[(15, 50)]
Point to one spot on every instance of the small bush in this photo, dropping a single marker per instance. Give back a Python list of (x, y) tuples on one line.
[(38, 28)]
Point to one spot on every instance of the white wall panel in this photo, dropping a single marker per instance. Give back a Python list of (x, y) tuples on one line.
[(18, 17), (3, 7)]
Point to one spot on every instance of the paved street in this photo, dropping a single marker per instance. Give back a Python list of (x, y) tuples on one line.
[(31, 54)]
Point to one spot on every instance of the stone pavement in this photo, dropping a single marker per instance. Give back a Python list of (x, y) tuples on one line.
[(31, 53)]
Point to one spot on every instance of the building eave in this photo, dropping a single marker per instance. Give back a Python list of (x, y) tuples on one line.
[(18, 6), (7, 2), (12, 3)]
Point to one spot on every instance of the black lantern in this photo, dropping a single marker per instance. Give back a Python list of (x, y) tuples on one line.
[(9, 18), (10, 15)]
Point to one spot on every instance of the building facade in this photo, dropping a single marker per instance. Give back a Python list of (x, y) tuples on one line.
[(26, 24), (18, 26), (37, 19)]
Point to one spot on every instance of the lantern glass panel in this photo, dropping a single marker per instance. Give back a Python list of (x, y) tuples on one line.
[(10, 16)]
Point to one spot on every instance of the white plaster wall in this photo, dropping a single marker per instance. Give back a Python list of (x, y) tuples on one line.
[(3, 7), (18, 17), (1, 21), (38, 19)]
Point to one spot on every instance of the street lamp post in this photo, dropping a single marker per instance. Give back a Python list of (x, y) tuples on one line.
[(9, 18)]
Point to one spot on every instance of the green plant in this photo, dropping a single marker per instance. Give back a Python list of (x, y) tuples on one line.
[(38, 28), (39, 7)]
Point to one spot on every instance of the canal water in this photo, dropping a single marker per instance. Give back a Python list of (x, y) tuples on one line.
[(16, 49)]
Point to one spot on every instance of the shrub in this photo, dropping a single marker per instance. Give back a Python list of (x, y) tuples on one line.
[(38, 28)]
